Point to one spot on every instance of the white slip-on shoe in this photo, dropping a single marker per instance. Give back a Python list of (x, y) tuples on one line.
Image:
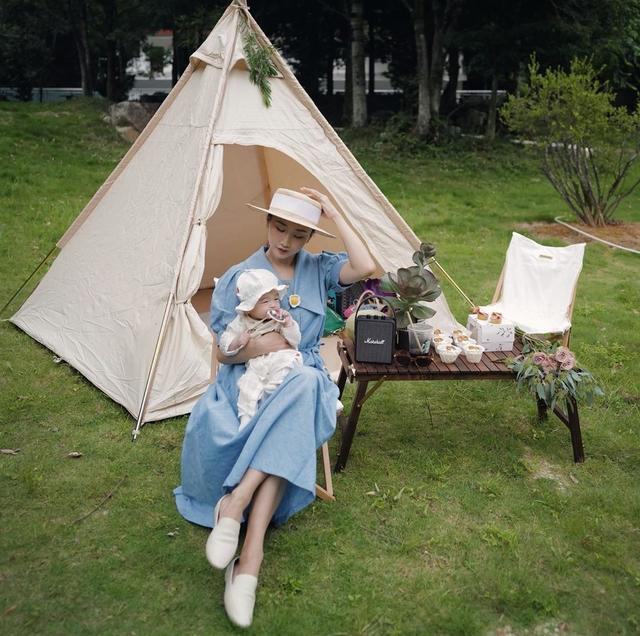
[(223, 540), (239, 596)]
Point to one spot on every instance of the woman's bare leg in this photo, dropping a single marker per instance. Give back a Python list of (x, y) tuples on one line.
[(234, 505), (265, 501)]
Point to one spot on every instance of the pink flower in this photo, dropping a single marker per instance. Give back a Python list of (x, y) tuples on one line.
[(550, 365), (539, 358), (569, 363), (563, 354)]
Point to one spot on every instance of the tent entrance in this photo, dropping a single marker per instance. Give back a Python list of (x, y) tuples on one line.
[(234, 230)]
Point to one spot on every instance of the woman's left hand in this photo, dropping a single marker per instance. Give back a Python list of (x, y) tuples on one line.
[(328, 208)]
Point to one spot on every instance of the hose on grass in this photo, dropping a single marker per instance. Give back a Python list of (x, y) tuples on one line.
[(558, 219)]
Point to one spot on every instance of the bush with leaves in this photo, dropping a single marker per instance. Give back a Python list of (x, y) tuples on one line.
[(590, 144)]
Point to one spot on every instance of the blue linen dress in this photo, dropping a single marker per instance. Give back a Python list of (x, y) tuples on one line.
[(290, 423)]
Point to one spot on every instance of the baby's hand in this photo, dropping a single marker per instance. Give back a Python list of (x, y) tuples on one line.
[(288, 320), (278, 315)]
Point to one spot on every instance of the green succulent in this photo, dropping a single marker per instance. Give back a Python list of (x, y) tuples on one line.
[(413, 287)]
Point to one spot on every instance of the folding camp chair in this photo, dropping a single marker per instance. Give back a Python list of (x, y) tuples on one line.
[(537, 287), (329, 347)]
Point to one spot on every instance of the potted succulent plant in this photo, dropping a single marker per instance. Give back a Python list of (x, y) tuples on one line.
[(412, 288)]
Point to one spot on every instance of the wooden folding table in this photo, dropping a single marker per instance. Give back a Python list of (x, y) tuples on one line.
[(491, 367)]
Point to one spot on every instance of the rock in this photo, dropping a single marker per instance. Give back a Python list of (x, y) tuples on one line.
[(132, 114), (128, 133)]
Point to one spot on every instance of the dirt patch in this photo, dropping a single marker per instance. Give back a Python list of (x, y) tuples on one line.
[(625, 234), (540, 468)]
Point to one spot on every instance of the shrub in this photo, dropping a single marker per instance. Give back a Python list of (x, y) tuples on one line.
[(589, 143)]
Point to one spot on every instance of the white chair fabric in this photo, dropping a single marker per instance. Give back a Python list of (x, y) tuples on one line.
[(538, 285)]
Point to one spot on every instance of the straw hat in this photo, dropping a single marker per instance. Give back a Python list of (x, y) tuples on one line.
[(295, 207)]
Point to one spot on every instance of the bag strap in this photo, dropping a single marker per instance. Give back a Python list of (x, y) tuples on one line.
[(368, 294)]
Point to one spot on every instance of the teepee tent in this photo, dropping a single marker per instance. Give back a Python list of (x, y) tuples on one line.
[(120, 302)]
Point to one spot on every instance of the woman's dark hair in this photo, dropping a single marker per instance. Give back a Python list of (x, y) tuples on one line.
[(270, 216)]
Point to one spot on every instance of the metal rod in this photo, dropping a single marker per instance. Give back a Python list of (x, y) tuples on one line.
[(453, 282), (152, 368), (28, 279)]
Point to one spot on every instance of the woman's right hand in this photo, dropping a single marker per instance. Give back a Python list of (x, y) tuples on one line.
[(270, 342)]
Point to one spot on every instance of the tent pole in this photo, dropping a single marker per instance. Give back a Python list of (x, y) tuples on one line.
[(152, 368), (42, 262), (192, 208)]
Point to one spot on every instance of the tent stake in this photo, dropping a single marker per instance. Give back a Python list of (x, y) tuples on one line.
[(152, 368)]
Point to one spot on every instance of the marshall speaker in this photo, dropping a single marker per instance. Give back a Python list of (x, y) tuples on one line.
[(375, 335)]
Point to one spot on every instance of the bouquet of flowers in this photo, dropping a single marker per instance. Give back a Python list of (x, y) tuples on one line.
[(551, 373)]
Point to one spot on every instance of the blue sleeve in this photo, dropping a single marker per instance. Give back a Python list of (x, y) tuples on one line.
[(330, 264), (224, 301)]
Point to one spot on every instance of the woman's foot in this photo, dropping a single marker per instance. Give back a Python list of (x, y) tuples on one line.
[(233, 505), (223, 541), (239, 595), (249, 562)]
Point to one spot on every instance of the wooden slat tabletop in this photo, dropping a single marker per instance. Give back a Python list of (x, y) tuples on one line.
[(490, 367)]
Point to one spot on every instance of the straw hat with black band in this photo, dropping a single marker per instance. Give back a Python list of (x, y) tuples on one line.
[(295, 207)]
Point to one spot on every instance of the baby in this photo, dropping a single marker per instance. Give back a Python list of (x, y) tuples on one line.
[(259, 312)]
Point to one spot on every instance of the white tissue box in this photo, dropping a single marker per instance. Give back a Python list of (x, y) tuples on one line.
[(492, 337)]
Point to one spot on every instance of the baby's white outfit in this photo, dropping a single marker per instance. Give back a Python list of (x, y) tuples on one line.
[(263, 373)]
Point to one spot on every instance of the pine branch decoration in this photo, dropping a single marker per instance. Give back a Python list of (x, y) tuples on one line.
[(261, 68)]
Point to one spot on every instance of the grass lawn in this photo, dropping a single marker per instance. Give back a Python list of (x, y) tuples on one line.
[(473, 521)]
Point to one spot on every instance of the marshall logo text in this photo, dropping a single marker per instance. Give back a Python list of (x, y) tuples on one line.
[(374, 342)]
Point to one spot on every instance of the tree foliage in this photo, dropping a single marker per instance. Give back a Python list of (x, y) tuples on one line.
[(590, 143)]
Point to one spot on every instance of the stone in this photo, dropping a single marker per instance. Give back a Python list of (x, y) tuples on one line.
[(132, 114)]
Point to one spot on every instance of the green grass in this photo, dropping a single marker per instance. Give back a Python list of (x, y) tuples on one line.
[(443, 525)]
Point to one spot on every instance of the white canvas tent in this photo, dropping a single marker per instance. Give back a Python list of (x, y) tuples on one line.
[(118, 301)]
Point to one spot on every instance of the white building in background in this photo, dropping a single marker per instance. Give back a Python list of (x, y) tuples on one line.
[(146, 82)]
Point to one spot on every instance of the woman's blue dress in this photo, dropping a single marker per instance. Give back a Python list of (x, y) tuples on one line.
[(290, 423)]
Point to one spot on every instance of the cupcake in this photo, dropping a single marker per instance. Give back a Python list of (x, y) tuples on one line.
[(495, 318), (440, 340), (462, 340), (473, 353), (448, 353), (481, 315)]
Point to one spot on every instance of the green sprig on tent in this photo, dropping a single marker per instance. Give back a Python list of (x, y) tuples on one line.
[(259, 62)]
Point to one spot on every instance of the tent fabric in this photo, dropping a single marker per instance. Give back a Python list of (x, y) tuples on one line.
[(539, 285), (173, 215)]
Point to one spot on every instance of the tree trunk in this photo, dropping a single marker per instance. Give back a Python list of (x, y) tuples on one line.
[(329, 76), (174, 61), (372, 62), (422, 69), (78, 19), (359, 95), (110, 24), (436, 62), (490, 133), (449, 102)]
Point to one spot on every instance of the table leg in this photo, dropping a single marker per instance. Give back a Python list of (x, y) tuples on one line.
[(342, 380), (574, 428), (542, 410), (350, 428)]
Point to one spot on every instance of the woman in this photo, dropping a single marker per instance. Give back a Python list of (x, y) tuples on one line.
[(266, 472)]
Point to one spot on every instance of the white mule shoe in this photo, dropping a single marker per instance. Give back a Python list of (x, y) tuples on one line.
[(239, 596), (223, 540)]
